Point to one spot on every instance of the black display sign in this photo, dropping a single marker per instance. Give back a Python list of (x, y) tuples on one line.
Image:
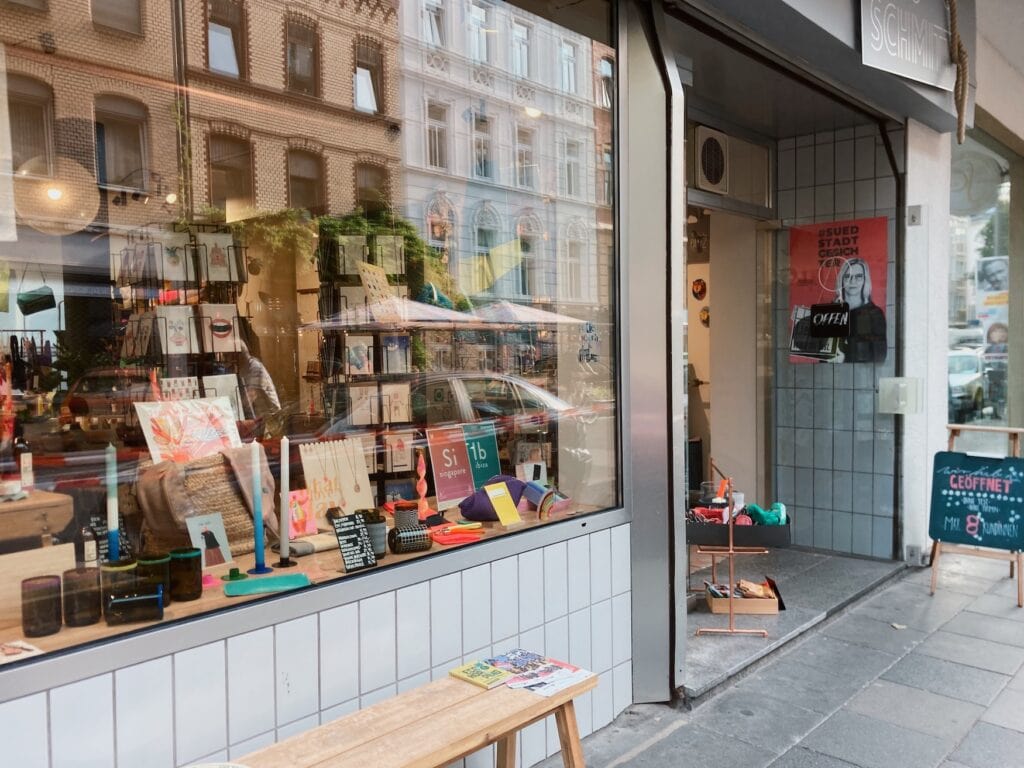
[(98, 523), (830, 321), (977, 500), (353, 541)]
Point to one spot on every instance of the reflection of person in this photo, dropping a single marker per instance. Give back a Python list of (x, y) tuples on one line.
[(258, 384), (213, 555), (996, 339), (866, 342), (993, 274)]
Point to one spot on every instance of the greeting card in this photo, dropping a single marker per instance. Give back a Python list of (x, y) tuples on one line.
[(177, 330), (225, 385), (174, 247), (301, 520), (398, 452), (219, 323), (208, 535), (358, 355), (187, 429), (217, 257)]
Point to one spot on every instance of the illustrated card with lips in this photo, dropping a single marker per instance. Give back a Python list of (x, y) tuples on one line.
[(220, 327), (217, 257), (177, 330)]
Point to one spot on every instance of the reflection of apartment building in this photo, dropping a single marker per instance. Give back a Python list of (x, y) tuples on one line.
[(289, 105), (499, 148), (961, 272)]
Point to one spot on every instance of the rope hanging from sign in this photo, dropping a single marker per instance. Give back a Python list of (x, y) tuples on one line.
[(958, 55)]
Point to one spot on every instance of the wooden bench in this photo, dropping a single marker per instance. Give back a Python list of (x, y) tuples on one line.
[(429, 727)]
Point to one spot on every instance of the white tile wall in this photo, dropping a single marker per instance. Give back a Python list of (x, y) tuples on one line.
[(250, 684), (200, 702), (143, 695), (235, 697), (23, 732)]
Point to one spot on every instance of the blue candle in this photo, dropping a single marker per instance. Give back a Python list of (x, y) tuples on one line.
[(257, 510), (113, 530)]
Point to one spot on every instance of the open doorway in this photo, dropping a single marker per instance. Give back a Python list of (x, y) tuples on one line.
[(729, 344)]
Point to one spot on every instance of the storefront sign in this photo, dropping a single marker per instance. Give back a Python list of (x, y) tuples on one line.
[(450, 465), (977, 500), (909, 38), (835, 263), (482, 447), (354, 542)]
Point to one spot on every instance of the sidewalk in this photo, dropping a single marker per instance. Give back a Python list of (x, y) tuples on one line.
[(900, 680)]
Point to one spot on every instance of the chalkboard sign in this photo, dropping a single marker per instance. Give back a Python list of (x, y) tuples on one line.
[(98, 523), (353, 541), (977, 501), (830, 320)]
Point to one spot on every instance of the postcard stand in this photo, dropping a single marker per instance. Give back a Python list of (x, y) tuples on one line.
[(730, 553), (940, 547)]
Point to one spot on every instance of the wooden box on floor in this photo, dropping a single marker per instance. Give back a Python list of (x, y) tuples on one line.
[(760, 605)]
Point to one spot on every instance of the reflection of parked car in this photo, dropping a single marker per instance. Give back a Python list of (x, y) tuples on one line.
[(968, 384), (104, 393), (971, 336)]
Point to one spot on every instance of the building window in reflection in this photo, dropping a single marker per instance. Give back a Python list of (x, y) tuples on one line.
[(303, 47), (434, 23), (226, 44), (571, 170), (306, 182), (479, 31), (371, 190), (36, 5), (30, 108), (437, 135), (483, 166), (568, 67), (520, 49), (525, 164), (120, 143), (369, 76), (122, 15), (231, 182), (605, 83), (605, 169)]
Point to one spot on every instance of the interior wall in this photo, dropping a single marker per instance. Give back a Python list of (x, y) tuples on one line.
[(732, 296), (699, 356), (834, 453)]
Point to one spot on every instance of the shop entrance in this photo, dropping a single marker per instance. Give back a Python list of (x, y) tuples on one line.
[(728, 260)]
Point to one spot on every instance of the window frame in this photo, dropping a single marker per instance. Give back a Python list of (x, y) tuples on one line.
[(241, 47), (568, 66), (520, 44), (606, 83), (105, 25), (478, 33), (530, 181), (376, 79), (292, 22), (119, 109), (215, 135), (483, 139), (321, 186), (572, 172), (430, 9), (436, 134), (43, 98), (383, 189)]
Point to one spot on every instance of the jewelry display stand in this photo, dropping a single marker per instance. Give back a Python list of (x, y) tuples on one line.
[(729, 553)]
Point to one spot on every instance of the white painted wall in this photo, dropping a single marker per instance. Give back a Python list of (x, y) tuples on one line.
[(997, 77), (926, 296), (732, 296)]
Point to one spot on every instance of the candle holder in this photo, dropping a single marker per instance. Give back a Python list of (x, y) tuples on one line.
[(117, 576), (82, 604), (186, 574), (154, 570), (40, 606)]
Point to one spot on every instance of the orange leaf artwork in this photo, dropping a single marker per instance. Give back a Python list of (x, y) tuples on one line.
[(182, 430)]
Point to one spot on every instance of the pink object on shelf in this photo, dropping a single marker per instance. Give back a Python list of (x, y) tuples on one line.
[(209, 580)]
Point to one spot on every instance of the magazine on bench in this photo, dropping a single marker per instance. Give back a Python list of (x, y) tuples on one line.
[(536, 673)]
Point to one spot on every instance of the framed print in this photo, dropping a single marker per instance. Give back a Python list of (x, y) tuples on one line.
[(220, 327), (391, 253), (217, 259), (395, 353), (174, 254), (187, 429), (398, 452), (225, 385), (394, 400), (179, 388), (144, 334), (364, 404), (177, 330), (358, 355), (351, 253)]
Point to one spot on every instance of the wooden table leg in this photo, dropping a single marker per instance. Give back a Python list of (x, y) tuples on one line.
[(569, 736), (507, 751), (1020, 579), (936, 551)]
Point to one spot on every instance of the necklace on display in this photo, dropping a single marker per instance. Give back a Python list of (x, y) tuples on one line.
[(347, 445), (335, 446), (321, 452)]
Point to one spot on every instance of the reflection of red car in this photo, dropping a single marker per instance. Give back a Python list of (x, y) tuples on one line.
[(104, 393)]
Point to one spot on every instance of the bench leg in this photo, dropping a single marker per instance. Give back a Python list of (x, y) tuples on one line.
[(569, 736), (507, 751)]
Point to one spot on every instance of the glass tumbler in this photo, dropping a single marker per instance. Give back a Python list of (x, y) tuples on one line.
[(186, 574), (40, 606), (117, 577), (82, 604), (154, 571)]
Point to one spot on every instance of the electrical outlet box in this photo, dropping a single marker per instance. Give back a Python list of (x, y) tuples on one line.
[(913, 215), (913, 555), (899, 394)]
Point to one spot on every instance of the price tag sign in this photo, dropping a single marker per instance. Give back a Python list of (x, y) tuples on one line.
[(354, 542), (482, 448), (98, 523), (450, 465)]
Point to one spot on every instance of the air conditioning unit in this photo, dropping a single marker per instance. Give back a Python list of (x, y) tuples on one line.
[(711, 160)]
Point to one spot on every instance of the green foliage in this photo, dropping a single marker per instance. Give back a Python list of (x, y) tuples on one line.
[(283, 233), (74, 358), (419, 353)]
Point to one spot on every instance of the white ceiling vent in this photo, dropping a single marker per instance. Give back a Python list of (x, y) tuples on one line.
[(711, 163)]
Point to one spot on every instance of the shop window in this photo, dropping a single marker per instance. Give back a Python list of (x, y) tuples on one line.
[(305, 182), (368, 76), (226, 38), (122, 15), (483, 165), (371, 190), (606, 83), (30, 108), (120, 143), (479, 32), (520, 49), (434, 29), (231, 182), (303, 46), (569, 67), (571, 169), (437, 135), (525, 164)]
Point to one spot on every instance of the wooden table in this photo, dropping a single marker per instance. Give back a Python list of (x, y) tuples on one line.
[(429, 727)]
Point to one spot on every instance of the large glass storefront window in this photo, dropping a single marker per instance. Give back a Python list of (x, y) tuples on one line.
[(353, 262), (981, 264)]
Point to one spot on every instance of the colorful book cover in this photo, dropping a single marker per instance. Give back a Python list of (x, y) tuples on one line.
[(517, 661), (480, 673)]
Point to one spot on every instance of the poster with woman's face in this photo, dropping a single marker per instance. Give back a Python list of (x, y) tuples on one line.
[(837, 291)]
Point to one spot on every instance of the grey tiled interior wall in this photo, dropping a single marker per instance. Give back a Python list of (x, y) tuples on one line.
[(834, 453)]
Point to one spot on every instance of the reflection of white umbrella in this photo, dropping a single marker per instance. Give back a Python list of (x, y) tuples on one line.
[(522, 314), (394, 312)]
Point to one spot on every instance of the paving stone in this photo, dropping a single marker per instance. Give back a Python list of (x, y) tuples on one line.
[(984, 654), (801, 757), (1017, 683), (998, 605), (758, 720), (830, 653), (854, 628), (989, 745), (1007, 711), (682, 747), (819, 690), (939, 716), (957, 681), (951, 581), (871, 743), (987, 628), (909, 603), (1006, 588)]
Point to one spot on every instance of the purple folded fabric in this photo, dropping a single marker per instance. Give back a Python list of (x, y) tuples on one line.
[(478, 508)]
